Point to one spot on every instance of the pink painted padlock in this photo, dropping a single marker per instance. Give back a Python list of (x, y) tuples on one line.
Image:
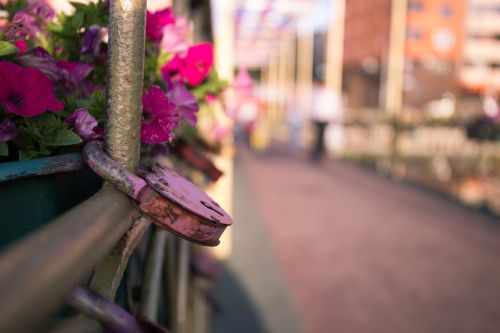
[(170, 200)]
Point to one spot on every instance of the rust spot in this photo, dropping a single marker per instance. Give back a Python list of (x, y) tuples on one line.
[(170, 214)]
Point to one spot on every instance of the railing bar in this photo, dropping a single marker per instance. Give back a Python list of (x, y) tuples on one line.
[(151, 288), (108, 274), (78, 324), (180, 325), (127, 22), (124, 84), (49, 263)]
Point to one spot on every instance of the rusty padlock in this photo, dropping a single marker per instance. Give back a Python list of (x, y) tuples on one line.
[(170, 200)]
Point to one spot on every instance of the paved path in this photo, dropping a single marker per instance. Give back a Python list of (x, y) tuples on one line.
[(363, 254)]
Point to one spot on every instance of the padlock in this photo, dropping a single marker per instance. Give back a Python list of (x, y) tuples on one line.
[(170, 200)]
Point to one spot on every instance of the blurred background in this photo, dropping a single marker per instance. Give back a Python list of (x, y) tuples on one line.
[(364, 174), (366, 189)]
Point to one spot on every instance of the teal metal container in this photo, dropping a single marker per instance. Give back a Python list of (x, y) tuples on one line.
[(33, 192)]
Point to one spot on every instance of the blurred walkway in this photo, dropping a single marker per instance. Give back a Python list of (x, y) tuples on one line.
[(364, 254)]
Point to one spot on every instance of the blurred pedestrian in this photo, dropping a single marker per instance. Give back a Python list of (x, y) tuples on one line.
[(295, 120), (326, 108)]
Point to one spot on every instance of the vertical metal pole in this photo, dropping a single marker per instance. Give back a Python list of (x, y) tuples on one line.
[(335, 46), (180, 323), (125, 80), (394, 84), (291, 64), (395, 70), (305, 68), (224, 36), (151, 289), (305, 50), (282, 84), (124, 85), (273, 88)]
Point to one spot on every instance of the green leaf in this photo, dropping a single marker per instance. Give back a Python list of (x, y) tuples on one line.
[(7, 50), (95, 104), (4, 148), (30, 154), (64, 137)]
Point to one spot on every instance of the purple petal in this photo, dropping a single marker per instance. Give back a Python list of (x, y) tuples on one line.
[(185, 102), (41, 8), (80, 72), (91, 41), (21, 26), (85, 125), (41, 59), (8, 130)]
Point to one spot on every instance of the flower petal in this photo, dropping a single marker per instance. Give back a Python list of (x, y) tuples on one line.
[(8, 130)]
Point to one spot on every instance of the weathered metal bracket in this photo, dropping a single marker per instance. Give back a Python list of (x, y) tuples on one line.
[(111, 316)]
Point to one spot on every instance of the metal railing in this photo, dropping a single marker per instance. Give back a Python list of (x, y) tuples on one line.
[(94, 241)]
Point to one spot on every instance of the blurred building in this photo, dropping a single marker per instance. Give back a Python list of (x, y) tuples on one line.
[(451, 46), (366, 41), (480, 69), (434, 43)]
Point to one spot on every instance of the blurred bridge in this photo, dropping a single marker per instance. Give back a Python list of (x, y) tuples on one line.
[(335, 248)]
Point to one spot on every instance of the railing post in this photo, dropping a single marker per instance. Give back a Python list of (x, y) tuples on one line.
[(127, 21), (125, 80)]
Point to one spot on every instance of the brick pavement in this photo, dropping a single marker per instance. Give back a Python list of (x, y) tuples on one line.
[(365, 254)]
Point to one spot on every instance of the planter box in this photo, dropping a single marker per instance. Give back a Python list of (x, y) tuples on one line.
[(34, 192)]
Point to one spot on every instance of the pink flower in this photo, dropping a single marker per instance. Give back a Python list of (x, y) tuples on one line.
[(26, 91), (194, 66), (243, 82), (85, 125), (159, 116), (210, 99), (21, 45), (155, 22), (174, 36)]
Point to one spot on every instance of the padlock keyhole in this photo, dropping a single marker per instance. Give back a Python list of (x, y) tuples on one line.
[(210, 207)]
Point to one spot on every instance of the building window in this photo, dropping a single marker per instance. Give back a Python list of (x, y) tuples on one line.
[(413, 34), (414, 5), (484, 8), (446, 11)]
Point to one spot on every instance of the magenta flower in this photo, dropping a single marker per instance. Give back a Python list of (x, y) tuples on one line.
[(184, 101), (26, 91), (194, 66), (8, 130), (155, 22), (174, 36), (159, 117), (85, 125)]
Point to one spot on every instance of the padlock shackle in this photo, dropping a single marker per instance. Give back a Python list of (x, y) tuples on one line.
[(111, 171)]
